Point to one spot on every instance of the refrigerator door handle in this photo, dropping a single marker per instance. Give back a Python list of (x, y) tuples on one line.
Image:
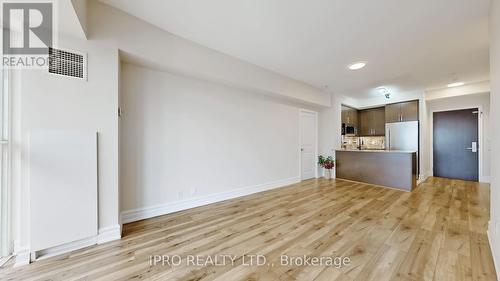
[(389, 133)]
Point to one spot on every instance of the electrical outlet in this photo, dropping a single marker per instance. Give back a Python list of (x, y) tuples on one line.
[(180, 194)]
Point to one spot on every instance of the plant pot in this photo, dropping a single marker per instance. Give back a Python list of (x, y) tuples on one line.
[(328, 174)]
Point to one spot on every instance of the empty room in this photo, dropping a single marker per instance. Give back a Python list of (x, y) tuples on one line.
[(250, 140)]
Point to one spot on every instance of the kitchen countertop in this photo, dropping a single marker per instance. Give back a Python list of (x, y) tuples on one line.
[(377, 150)]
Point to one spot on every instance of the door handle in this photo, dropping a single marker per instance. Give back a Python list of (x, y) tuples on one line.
[(389, 138), (473, 148)]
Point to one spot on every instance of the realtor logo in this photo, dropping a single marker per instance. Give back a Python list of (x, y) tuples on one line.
[(28, 28)]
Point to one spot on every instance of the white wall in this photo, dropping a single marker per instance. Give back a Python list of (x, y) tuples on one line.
[(143, 43), (46, 101), (494, 227), (184, 140), (52, 102), (330, 129), (463, 102), (80, 8), (467, 89), (424, 139)]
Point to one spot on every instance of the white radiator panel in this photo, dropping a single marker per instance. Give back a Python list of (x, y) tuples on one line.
[(63, 187)]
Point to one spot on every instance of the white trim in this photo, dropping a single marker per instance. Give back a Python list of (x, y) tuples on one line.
[(481, 178), (22, 257), (422, 177), (302, 110), (485, 179), (492, 246), (4, 260), (6, 189), (65, 248), (106, 234), (420, 180), (109, 233), (163, 209), (491, 233)]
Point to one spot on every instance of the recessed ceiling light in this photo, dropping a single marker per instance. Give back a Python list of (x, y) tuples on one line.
[(455, 84), (357, 65)]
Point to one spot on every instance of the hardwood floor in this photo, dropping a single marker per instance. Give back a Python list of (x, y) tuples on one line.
[(437, 232)]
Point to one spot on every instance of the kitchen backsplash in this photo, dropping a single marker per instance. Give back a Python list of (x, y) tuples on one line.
[(350, 142), (372, 142), (363, 142)]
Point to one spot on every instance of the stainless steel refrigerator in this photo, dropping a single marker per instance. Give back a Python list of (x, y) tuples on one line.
[(402, 136)]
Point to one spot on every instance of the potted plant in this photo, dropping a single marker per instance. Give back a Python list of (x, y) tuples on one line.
[(326, 163)]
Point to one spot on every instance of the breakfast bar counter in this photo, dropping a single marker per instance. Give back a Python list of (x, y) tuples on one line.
[(391, 168)]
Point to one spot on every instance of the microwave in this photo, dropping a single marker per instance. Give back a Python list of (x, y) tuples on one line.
[(349, 130)]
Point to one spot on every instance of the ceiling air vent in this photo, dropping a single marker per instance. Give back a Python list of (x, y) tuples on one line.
[(66, 63)]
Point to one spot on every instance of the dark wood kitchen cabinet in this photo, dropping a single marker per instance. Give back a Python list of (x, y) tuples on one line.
[(401, 112), (372, 122), (350, 116), (409, 111), (393, 113)]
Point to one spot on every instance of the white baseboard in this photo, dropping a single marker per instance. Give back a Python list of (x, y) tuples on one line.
[(158, 210), (491, 233), (106, 234), (22, 257), (485, 179), (4, 260), (65, 248), (422, 177), (21, 254), (109, 233)]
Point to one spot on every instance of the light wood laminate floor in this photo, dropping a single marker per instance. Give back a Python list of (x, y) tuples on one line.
[(437, 232)]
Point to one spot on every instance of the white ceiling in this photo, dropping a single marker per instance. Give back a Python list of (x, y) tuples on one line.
[(409, 45)]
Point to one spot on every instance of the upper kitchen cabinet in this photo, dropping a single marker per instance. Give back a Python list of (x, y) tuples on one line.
[(372, 122), (393, 113), (349, 116), (401, 112), (409, 111)]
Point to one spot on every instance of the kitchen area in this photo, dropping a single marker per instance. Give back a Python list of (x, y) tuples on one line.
[(380, 145)]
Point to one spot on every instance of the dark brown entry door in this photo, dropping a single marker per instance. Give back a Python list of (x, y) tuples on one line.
[(456, 148)]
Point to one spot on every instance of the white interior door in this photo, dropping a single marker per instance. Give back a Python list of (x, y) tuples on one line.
[(308, 144)]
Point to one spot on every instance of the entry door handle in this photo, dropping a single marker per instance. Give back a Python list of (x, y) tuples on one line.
[(473, 148)]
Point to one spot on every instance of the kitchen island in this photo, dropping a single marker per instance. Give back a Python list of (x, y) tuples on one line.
[(391, 168)]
